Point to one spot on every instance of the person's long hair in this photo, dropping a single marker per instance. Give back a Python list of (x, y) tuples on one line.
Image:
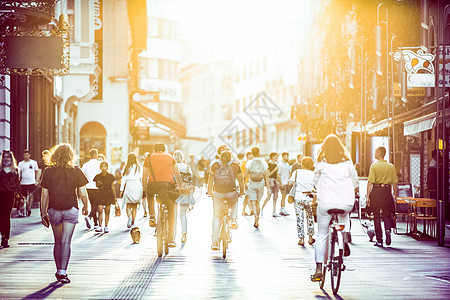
[(131, 161), (13, 160), (178, 155), (61, 156), (332, 151)]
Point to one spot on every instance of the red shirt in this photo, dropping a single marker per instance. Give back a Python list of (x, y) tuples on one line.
[(162, 164)]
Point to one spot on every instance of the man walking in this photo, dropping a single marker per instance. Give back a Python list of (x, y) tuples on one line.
[(160, 168), (382, 182), (90, 169), (273, 183), (284, 171), (194, 167), (28, 172), (256, 169)]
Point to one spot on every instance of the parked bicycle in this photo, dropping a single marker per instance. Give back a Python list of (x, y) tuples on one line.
[(162, 230)]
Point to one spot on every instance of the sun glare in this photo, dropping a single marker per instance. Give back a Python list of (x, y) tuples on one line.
[(241, 27)]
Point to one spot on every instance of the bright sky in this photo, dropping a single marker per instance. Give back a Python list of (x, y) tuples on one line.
[(242, 25)]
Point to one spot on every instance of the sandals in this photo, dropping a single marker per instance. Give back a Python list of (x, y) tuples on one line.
[(62, 278), (317, 277)]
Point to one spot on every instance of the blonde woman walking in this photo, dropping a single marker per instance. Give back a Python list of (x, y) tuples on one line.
[(186, 199)]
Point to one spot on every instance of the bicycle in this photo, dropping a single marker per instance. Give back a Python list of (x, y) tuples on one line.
[(225, 235), (334, 260), (162, 230)]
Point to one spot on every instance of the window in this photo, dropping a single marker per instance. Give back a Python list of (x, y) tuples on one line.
[(237, 106), (70, 4)]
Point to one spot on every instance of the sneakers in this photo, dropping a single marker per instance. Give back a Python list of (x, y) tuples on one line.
[(301, 242), (317, 277), (283, 212), (152, 221), (244, 213), (106, 230), (97, 228), (145, 214), (378, 244), (215, 246), (275, 215), (62, 278), (172, 244), (311, 240), (88, 222), (388, 237), (234, 224), (4, 243), (183, 238), (130, 219)]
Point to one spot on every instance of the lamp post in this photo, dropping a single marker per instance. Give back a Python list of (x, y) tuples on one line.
[(379, 54), (363, 167), (353, 72)]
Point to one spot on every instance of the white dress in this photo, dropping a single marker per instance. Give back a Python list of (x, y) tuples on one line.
[(132, 183)]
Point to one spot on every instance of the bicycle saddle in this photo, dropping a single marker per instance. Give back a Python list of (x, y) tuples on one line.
[(335, 212)]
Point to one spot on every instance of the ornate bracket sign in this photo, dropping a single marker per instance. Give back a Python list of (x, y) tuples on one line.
[(32, 52), (416, 62)]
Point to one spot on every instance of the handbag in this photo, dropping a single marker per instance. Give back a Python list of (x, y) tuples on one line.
[(117, 211), (291, 198), (172, 190)]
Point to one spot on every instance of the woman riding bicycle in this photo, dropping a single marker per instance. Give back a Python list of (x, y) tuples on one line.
[(336, 181)]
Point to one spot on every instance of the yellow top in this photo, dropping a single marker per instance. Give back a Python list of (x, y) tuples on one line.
[(382, 172), (243, 171)]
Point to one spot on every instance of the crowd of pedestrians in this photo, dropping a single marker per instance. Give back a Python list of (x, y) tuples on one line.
[(164, 178)]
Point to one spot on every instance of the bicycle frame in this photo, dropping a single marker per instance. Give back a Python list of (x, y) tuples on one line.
[(162, 228), (225, 235)]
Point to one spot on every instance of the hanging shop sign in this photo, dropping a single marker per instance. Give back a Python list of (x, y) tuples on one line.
[(146, 97), (98, 34), (31, 52), (419, 67)]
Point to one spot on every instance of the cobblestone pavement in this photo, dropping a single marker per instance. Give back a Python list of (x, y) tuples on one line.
[(264, 263)]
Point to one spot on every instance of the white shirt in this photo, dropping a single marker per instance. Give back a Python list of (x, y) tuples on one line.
[(304, 181), (90, 169), (335, 183), (284, 170), (27, 171)]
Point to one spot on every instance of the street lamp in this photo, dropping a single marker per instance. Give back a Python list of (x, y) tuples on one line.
[(363, 166), (353, 72), (378, 53)]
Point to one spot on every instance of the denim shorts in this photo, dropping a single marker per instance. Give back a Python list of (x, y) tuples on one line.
[(59, 216)]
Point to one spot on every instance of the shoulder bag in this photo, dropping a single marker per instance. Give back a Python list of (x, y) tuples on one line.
[(292, 198), (172, 190)]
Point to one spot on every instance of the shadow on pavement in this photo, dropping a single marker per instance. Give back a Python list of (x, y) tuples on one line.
[(327, 296), (45, 292)]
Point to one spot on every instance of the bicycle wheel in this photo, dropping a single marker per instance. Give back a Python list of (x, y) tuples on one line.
[(224, 237), (166, 233), (159, 235), (335, 263)]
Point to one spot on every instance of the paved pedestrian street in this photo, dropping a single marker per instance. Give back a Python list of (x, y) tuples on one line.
[(264, 263)]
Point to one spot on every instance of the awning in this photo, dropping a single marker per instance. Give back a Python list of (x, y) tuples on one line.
[(420, 124), (377, 126), (156, 117)]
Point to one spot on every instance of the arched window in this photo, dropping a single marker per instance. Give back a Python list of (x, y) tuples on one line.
[(92, 135)]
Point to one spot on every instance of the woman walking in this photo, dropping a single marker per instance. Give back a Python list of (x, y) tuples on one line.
[(186, 199), (131, 186), (62, 183), (336, 181), (9, 188), (106, 195), (303, 180)]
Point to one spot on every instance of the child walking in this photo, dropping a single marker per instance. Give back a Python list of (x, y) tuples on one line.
[(106, 195)]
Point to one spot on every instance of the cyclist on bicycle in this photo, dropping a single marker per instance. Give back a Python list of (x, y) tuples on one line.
[(222, 181), (160, 168), (336, 181)]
